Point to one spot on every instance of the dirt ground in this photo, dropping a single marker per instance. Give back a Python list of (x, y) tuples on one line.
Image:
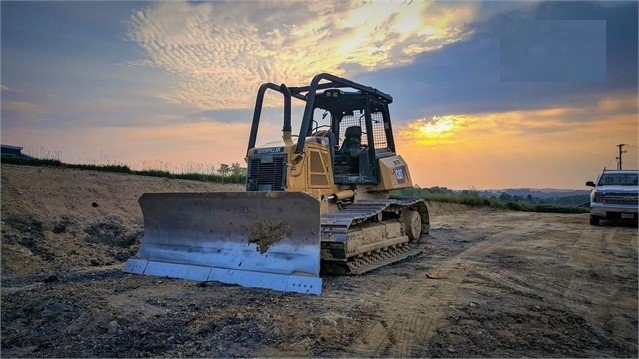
[(490, 284)]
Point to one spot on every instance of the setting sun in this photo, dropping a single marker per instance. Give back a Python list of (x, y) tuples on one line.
[(428, 132), (437, 126)]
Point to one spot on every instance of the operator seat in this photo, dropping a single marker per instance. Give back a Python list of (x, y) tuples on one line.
[(352, 157), (352, 141)]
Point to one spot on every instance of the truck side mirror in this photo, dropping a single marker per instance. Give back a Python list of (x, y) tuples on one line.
[(590, 184)]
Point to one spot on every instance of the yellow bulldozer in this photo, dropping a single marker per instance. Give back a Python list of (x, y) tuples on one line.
[(316, 203)]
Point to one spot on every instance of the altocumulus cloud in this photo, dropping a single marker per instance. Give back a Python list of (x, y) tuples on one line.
[(222, 51)]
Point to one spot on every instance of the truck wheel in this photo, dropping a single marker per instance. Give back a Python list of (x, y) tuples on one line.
[(594, 220)]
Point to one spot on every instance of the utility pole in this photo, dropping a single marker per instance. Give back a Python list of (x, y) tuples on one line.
[(620, 152)]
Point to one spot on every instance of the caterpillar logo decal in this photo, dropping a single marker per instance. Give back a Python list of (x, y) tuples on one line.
[(400, 174), (267, 150)]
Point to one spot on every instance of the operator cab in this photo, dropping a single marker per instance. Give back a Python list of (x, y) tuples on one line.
[(358, 127)]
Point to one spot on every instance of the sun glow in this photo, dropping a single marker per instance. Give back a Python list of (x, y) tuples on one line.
[(437, 126), (437, 129), (501, 149)]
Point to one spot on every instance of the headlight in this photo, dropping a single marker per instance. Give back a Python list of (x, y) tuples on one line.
[(598, 197)]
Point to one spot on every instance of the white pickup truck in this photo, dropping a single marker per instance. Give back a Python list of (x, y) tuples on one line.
[(615, 196)]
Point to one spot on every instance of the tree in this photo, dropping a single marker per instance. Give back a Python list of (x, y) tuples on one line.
[(237, 170), (224, 169), (505, 197)]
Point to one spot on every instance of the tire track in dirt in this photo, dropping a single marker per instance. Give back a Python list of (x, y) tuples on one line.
[(413, 308), (583, 259), (587, 293), (506, 280), (523, 277)]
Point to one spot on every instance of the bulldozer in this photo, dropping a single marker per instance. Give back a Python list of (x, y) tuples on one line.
[(316, 203)]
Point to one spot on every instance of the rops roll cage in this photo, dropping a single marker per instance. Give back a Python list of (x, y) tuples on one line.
[(308, 94)]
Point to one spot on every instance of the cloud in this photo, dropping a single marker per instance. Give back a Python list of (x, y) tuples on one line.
[(619, 103), (464, 77), (461, 128), (221, 52), (22, 109)]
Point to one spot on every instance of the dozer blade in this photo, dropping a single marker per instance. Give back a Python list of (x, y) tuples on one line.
[(253, 239)]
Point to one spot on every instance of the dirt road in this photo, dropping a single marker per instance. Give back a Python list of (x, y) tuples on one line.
[(491, 283)]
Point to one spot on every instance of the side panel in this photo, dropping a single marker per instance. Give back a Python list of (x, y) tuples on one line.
[(319, 173), (394, 173)]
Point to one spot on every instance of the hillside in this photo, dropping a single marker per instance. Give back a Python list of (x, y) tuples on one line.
[(57, 218)]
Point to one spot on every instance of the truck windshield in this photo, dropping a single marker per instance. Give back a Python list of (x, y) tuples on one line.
[(618, 179)]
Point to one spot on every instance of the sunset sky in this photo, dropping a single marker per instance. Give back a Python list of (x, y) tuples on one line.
[(487, 95)]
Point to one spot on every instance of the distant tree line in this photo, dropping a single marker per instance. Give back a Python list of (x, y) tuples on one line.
[(571, 204), (574, 200)]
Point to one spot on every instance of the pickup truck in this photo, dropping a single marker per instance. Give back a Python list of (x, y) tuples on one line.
[(615, 196)]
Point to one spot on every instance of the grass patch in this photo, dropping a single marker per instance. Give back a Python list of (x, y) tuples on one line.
[(239, 178)]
